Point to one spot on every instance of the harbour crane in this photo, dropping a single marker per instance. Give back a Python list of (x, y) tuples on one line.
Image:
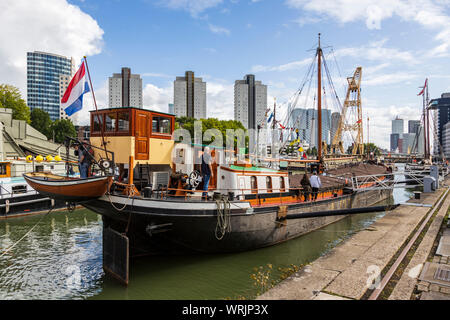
[(352, 104)]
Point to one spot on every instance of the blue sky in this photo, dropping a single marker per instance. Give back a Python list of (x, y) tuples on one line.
[(398, 43)]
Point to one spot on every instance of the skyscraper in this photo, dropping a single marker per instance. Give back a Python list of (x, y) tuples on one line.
[(441, 109), (305, 120), (335, 119), (397, 131), (125, 90), (45, 81), (64, 81), (189, 96), (413, 126), (250, 102), (397, 125)]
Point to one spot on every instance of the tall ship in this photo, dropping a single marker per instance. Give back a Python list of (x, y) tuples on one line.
[(152, 198)]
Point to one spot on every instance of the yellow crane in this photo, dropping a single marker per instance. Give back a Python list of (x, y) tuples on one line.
[(352, 100)]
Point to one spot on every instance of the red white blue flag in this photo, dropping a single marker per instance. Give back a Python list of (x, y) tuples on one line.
[(72, 101), (423, 89)]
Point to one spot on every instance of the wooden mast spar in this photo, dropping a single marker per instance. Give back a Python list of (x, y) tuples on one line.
[(319, 103)]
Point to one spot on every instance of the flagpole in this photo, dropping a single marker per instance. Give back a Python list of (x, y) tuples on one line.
[(96, 109)]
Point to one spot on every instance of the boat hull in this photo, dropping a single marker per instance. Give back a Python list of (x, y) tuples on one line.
[(69, 189), (170, 227)]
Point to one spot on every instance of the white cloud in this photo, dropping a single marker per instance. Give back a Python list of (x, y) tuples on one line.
[(43, 25), (219, 100), (156, 75), (219, 30), (428, 13), (156, 98), (283, 67), (376, 51), (194, 7)]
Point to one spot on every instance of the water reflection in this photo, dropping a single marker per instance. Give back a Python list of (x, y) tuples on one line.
[(62, 259)]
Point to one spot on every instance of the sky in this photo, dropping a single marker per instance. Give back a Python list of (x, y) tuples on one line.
[(398, 44)]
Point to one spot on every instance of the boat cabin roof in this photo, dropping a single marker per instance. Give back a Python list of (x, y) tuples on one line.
[(131, 121)]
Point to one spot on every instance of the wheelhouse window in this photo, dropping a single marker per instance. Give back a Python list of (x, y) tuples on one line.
[(269, 184), (98, 123), (282, 185), (253, 184), (161, 125), (3, 168), (123, 122), (110, 121)]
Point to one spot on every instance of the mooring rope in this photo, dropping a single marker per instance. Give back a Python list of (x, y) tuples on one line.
[(28, 232), (223, 218), (131, 193)]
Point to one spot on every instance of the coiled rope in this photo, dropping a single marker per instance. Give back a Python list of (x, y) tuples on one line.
[(223, 218), (129, 190)]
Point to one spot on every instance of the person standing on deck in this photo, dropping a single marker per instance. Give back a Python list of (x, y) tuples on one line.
[(84, 158), (306, 186), (315, 185), (207, 171)]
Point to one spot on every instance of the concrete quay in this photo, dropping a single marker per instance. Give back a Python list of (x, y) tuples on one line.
[(352, 268)]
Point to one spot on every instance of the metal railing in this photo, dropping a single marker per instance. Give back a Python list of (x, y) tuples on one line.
[(392, 180)]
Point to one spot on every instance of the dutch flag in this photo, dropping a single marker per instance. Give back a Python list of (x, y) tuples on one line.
[(72, 101)]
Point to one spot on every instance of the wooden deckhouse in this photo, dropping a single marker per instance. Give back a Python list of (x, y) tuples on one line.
[(144, 135)]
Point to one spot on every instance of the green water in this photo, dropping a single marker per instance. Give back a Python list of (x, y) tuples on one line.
[(62, 259)]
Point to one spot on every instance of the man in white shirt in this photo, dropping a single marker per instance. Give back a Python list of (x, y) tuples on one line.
[(315, 185)]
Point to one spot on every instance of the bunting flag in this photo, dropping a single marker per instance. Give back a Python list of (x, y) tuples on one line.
[(359, 121), (270, 118), (423, 89), (282, 127)]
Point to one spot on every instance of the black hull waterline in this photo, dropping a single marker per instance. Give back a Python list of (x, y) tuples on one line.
[(165, 226)]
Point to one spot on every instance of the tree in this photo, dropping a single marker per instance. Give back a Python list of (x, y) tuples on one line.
[(371, 147), (40, 120), (63, 128), (210, 123), (10, 98)]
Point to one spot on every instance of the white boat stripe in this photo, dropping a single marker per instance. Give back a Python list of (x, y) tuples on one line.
[(64, 183), (171, 205)]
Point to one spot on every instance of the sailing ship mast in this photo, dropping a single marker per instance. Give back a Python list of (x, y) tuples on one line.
[(319, 103)]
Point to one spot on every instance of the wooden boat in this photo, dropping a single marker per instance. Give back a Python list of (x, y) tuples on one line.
[(67, 188)]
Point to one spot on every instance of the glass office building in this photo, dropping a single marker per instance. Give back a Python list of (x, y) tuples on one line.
[(43, 81)]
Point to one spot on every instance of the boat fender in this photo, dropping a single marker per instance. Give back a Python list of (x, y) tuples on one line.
[(58, 158), (6, 206), (29, 158), (49, 158), (39, 158)]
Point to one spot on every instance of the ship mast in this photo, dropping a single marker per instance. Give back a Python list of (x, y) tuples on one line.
[(319, 103)]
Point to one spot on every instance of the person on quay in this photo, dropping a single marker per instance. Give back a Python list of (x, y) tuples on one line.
[(207, 171), (315, 185)]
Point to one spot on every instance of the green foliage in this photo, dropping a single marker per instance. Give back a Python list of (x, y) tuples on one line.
[(368, 147), (210, 123), (371, 147), (63, 128), (312, 151), (40, 120), (10, 98)]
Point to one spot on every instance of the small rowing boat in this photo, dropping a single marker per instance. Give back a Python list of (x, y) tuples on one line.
[(67, 188)]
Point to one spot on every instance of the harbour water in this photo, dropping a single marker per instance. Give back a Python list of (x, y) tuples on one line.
[(61, 258)]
